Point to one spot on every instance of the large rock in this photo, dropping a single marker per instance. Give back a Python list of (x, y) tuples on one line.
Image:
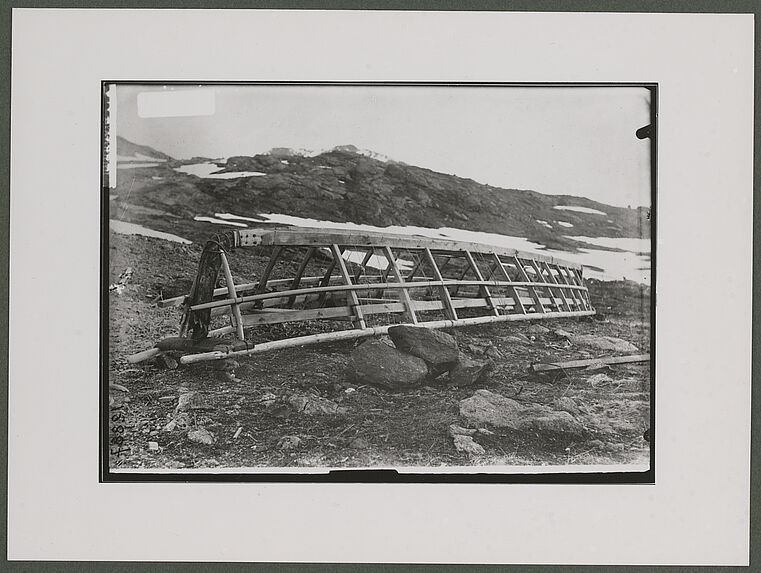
[(438, 349), (468, 372), (486, 407), (603, 342), (377, 363)]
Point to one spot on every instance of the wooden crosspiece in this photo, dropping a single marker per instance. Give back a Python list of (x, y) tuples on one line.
[(302, 287)]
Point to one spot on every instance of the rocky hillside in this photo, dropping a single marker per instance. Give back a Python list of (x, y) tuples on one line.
[(347, 185)]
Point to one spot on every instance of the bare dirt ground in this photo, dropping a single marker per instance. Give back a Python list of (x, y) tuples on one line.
[(251, 423)]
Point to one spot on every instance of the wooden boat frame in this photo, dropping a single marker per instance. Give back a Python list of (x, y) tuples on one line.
[(418, 279)]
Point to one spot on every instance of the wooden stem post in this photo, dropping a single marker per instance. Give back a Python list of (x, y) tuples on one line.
[(237, 318)]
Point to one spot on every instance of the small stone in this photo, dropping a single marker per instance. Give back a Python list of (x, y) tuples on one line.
[(467, 445), (168, 361), (609, 343), (315, 405), (597, 379), (226, 364), (267, 399), (191, 401), (562, 333), (167, 398), (537, 329), (201, 436), (493, 353), (170, 426), (468, 372), (566, 404), (288, 442), (358, 444), (174, 464), (455, 430), (153, 446), (515, 339)]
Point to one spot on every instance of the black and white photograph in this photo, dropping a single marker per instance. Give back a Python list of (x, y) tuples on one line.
[(380, 288), (425, 278)]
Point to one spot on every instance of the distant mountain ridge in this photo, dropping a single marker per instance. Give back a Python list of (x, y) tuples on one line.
[(346, 185)]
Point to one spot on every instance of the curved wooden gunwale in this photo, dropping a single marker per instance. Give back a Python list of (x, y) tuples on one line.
[(306, 237), (371, 286)]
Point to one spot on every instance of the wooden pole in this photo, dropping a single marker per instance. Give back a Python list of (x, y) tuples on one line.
[(238, 320), (360, 287), (546, 367), (143, 356), (357, 333), (404, 292), (360, 320)]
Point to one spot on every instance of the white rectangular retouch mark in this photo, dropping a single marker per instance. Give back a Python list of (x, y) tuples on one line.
[(176, 103)]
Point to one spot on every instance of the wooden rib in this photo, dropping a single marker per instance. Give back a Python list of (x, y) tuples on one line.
[(237, 320), (462, 276), (268, 270), (404, 292), (484, 289), (300, 273), (357, 311), (578, 301), (445, 297), (551, 280), (362, 266), (411, 275), (560, 290), (538, 307), (326, 279), (518, 304)]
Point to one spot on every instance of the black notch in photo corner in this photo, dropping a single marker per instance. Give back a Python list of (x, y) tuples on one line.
[(645, 132)]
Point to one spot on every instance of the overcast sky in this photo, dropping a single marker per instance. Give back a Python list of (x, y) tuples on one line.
[(564, 141)]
